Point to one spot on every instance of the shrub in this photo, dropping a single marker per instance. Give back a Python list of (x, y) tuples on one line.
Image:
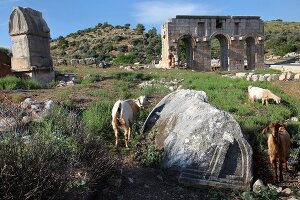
[(125, 58), (97, 119), (35, 169), (131, 76), (267, 193), (12, 83), (54, 161), (91, 79), (140, 28), (4, 50)]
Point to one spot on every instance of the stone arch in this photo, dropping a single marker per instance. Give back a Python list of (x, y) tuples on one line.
[(189, 44), (250, 52), (197, 32), (224, 46)]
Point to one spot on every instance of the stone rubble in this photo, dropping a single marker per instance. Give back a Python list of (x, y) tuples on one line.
[(285, 76), (172, 85), (31, 110)]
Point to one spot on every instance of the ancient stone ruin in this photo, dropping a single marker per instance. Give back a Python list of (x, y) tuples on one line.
[(201, 144), (241, 41), (31, 45)]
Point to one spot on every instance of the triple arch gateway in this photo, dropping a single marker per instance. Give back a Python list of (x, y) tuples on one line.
[(241, 41)]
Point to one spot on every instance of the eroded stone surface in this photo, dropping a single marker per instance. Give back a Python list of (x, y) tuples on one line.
[(202, 144), (30, 36), (239, 37)]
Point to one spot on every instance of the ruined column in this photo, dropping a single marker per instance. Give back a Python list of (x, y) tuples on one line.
[(202, 56), (30, 37), (236, 54), (260, 53)]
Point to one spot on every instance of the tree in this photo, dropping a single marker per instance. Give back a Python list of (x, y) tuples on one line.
[(127, 26), (140, 28), (62, 42), (152, 32)]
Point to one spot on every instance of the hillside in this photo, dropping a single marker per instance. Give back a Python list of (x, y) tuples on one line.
[(124, 45), (282, 37), (105, 42)]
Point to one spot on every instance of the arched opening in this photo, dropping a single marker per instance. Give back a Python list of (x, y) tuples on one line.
[(250, 53), (185, 52), (219, 53)]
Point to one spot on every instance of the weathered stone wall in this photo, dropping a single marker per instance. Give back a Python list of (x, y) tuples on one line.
[(30, 36), (231, 31)]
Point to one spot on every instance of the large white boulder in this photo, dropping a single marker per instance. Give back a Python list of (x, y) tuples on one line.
[(201, 144)]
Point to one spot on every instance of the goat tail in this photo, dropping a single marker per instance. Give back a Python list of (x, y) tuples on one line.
[(249, 87), (116, 111)]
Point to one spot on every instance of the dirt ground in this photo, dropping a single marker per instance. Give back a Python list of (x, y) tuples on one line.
[(133, 181)]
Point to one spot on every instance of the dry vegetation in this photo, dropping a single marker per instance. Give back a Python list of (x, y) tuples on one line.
[(131, 177)]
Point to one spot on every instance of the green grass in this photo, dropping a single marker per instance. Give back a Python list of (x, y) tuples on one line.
[(13, 83), (230, 95)]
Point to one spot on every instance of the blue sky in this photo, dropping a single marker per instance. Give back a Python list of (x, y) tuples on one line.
[(67, 16)]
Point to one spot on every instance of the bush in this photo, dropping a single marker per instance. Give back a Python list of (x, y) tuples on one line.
[(4, 50), (97, 120), (13, 83), (125, 58), (91, 79), (140, 28), (54, 161), (131, 76)]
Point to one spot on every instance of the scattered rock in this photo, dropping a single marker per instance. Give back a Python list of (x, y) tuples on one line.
[(293, 198), (90, 61), (257, 185), (49, 104), (241, 75), (254, 78), (282, 77), (74, 61), (297, 77), (81, 62), (61, 62), (261, 78), (289, 76), (287, 191)]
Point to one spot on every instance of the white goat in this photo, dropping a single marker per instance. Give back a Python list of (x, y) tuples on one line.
[(263, 94), (123, 114)]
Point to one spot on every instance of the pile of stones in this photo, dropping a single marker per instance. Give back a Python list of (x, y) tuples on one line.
[(172, 85), (92, 62), (14, 117), (285, 76), (66, 79)]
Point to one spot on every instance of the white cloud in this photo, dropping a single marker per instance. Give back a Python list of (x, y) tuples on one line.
[(158, 12)]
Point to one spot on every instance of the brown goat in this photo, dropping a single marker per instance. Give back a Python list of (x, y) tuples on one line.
[(279, 144)]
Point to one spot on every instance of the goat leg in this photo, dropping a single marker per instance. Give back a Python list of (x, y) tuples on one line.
[(116, 135), (126, 138), (274, 165), (280, 171)]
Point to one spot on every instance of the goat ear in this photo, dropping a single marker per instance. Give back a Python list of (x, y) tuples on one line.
[(265, 130), (284, 124)]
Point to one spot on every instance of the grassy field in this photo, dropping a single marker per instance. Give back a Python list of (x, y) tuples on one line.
[(81, 125)]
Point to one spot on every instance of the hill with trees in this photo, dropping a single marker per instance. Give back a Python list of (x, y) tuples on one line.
[(282, 37), (123, 45), (105, 42)]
